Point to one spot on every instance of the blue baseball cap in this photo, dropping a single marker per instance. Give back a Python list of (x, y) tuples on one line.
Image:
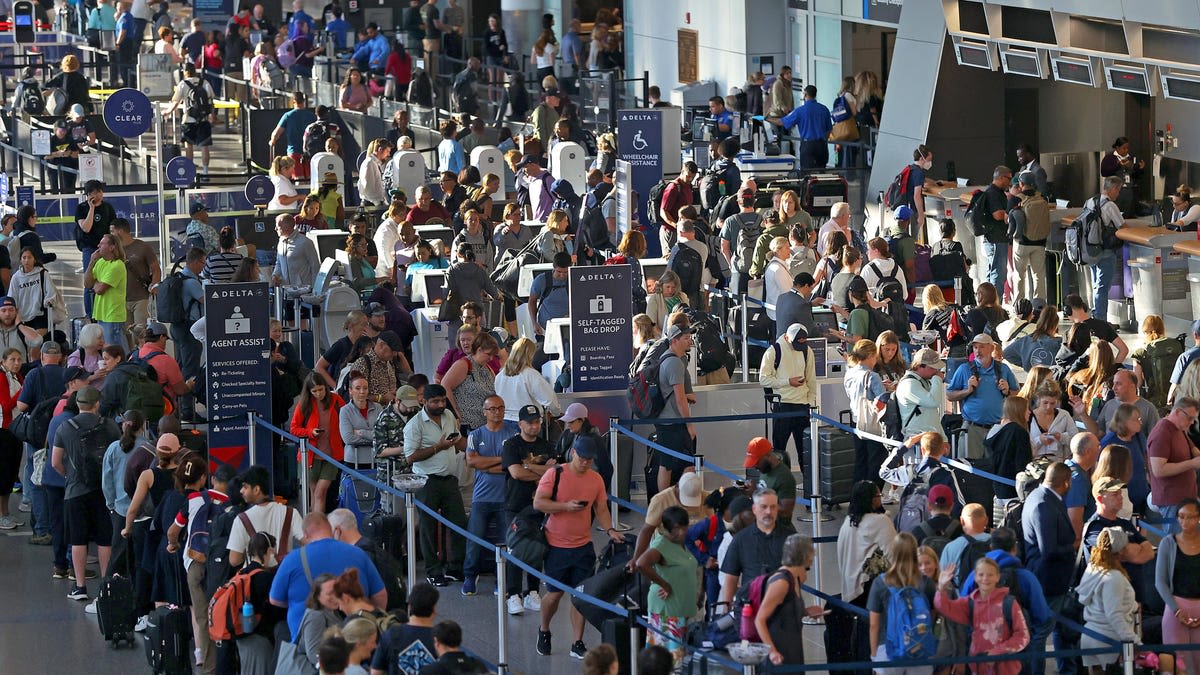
[(904, 213), (585, 446)]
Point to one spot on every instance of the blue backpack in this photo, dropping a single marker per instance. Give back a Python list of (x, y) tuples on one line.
[(910, 625)]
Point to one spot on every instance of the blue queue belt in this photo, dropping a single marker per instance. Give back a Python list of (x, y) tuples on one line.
[(676, 454), (271, 427), (629, 505)]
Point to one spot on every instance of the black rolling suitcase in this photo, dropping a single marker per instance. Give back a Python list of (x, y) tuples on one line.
[(759, 326), (387, 531), (169, 638), (114, 610), (846, 639), (615, 633), (836, 464), (822, 191)]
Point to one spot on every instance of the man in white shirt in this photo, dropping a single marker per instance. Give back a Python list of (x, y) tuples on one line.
[(264, 515), (431, 439), (839, 219)]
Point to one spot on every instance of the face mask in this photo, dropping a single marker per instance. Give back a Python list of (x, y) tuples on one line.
[(925, 164)]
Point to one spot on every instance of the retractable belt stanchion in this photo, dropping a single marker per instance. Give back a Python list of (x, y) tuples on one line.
[(252, 447), (1128, 655), (305, 457), (698, 465), (814, 479), (634, 646), (410, 536), (615, 482), (745, 328), (501, 623)]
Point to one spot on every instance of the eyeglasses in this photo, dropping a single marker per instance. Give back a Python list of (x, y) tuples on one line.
[(493, 408)]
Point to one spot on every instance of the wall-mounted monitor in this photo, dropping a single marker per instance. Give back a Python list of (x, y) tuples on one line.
[(1181, 87), (1129, 79), (974, 54), (1022, 62), (1077, 71)]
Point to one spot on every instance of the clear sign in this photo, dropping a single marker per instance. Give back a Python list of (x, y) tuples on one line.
[(601, 312), (181, 172), (128, 113), (260, 190), (236, 320), (621, 183), (3, 188)]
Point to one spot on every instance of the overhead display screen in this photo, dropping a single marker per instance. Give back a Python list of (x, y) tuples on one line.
[(1132, 80), (1068, 70), (973, 55), (1022, 63)]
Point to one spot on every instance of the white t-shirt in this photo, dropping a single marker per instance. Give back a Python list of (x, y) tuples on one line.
[(266, 517), (546, 60), (183, 90), (885, 266), (283, 188)]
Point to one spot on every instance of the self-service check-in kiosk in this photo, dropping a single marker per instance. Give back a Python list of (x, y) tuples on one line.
[(408, 172), (488, 159), (433, 336), (568, 161)]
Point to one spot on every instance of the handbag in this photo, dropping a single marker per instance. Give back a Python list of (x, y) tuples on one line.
[(39, 467), (875, 564), (866, 417), (844, 131), (507, 274), (448, 310)]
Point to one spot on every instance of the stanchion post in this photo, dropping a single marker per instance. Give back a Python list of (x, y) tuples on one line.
[(410, 536), (252, 447), (814, 432), (304, 460), (615, 482), (745, 328), (698, 465), (502, 625), (634, 644), (1128, 656)]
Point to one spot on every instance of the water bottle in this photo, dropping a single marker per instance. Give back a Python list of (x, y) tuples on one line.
[(247, 618), (747, 630)]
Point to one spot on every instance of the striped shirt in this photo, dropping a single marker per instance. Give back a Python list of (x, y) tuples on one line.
[(220, 266)]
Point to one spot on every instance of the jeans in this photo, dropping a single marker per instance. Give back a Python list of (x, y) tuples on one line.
[(482, 514), (868, 457), (1103, 272), (996, 256), (58, 531), (114, 333), (88, 294), (1169, 515), (1062, 639)]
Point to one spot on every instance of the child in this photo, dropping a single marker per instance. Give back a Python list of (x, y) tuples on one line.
[(672, 572), (703, 539), (996, 629)]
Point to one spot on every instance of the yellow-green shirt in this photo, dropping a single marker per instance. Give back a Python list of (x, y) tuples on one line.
[(110, 306)]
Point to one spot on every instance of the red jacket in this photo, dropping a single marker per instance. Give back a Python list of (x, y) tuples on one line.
[(304, 427), (991, 631)]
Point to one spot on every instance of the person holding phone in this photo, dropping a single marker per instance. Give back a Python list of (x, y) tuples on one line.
[(431, 443)]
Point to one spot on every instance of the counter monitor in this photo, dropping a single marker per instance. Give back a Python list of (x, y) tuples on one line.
[(1130, 79), (1021, 62), (974, 54), (1073, 70), (1181, 87)]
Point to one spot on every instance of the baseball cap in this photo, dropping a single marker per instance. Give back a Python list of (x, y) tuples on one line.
[(585, 447), (983, 339), (155, 329), (197, 207), (858, 285), (51, 347), (796, 330), (1118, 537), (529, 413), (374, 309), (940, 495), (756, 449), (691, 492), (528, 159), (407, 395), (1027, 178), (76, 373), (904, 213), (77, 110), (392, 340), (553, 91), (7, 301), (88, 395), (928, 357), (575, 411), (1107, 484), (168, 441), (676, 331)]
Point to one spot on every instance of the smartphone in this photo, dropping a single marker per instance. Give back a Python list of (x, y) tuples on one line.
[(453, 437), (1077, 389), (582, 503)]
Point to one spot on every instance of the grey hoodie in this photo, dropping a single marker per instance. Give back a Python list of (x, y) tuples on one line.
[(1109, 606)]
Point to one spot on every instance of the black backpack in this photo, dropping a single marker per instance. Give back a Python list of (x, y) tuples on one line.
[(893, 426), (713, 186), (686, 262), (711, 346), (878, 322), (31, 98), (93, 443), (32, 427), (978, 217), (393, 574), (971, 553), (654, 201), (646, 398), (936, 538), (888, 288), (315, 136), (168, 304), (199, 103), (751, 228), (947, 260), (216, 567)]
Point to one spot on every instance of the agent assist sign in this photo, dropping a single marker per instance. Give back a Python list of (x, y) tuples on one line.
[(601, 327), (236, 319)]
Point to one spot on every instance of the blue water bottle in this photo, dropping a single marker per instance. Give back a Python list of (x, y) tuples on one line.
[(247, 618)]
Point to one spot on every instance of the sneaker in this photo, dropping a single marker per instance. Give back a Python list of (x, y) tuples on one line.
[(143, 623), (438, 580), (59, 573), (40, 540), (514, 605), (90, 608), (543, 643), (8, 523), (87, 574), (454, 577), (533, 602), (579, 650), (78, 593), (468, 587)]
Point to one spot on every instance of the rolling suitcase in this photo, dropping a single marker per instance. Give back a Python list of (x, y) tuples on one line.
[(836, 464), (169, 638), (114, 610), (846, 639), (387, 531), (615, 632), (360, 496), (821, 191)]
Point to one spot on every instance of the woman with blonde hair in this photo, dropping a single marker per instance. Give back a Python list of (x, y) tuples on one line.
[(666, 297), (286, 197), (73, 83), (791, 213), (904, 572), (1154, 379), (166, 45), (1038, 377), (545, 51), (891, 365), (554, 238), (644, 331), (1109, 605), (1094, 380), (520, 384)]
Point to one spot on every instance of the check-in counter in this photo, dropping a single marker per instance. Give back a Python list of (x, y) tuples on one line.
[(945, 200), (1190, 248), (1160, 283)]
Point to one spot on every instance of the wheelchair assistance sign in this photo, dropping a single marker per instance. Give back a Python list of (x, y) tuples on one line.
[(601, 312), (238, 377)]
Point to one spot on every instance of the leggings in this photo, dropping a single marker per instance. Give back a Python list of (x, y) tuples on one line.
[(1176, 633)]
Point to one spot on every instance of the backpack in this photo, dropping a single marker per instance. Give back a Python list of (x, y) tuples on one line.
[(1157, 360), (710, 344), (957, 330), (274, 77), (914, 503), (971, 553), (888, 288), (713, 186), (893, 243), (1087, 236), (199, 103), (316, 134), (1029, 478), (687, 263), (646, 398), (94, 444), (393, 574), (937, 539), (910, 625), (726, 206), (654, 201), (286, 54), (753, 598), (1013, 513), (168, 304), (751, 228), (898, 193), (878, 322), (225, 607), (142, 390), (31, 98), (216, 566), (947, 260), (840, 111), (979, 219), (32, 427), (199, 527), (893, 426), (593, 232)]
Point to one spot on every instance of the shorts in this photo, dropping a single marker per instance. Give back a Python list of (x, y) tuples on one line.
[(87, 520), (302, 168), (322, 470), (38, 323), (677, 438), (570, 566), (432, 45), (197, 135)]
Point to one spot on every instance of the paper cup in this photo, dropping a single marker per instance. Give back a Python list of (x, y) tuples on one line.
[(962, 182)]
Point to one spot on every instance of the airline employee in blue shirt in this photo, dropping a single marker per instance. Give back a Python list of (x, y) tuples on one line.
[(722, 118), (812, 122)]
